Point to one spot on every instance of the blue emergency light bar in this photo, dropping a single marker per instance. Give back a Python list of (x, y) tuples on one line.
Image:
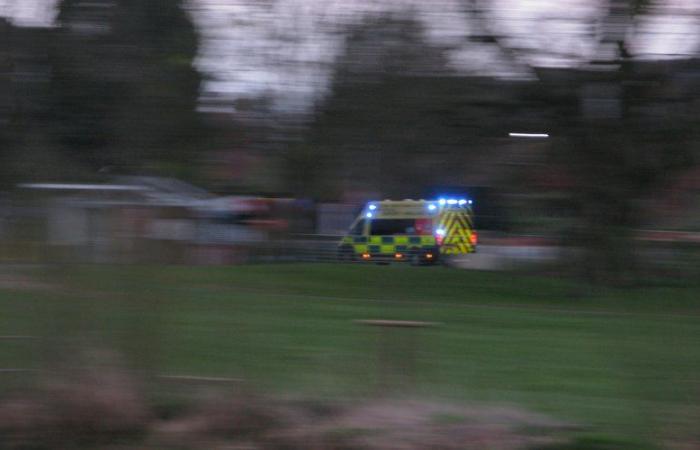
[(453, 201), (372, 207)]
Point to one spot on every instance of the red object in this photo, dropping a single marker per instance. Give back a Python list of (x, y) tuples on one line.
[(424, 227)]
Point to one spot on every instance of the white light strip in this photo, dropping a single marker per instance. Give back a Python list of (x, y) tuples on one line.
[(529, 135)]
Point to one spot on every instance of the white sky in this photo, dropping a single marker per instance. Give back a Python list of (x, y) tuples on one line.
[(672, 31), (29, 13), (286, 48)]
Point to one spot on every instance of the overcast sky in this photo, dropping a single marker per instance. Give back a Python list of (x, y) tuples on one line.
[(29, 13), (286, 48)]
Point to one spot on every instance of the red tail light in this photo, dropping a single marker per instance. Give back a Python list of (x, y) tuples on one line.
[(473, 238), (439, 239)]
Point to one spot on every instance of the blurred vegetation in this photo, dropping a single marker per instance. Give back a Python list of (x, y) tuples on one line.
[(112, 90), (622, 362)]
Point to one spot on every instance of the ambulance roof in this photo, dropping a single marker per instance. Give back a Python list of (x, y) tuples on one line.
[(409, 208)]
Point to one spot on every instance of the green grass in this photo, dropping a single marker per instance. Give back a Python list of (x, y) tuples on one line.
[(620, 361)]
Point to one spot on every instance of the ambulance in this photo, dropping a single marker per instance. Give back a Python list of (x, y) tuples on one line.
[(420, 232)]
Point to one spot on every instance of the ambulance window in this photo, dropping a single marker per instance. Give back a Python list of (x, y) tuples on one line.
[(358, 228), (424, 226), (388, 227)]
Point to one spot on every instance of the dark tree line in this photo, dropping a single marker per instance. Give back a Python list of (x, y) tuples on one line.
[(111, 88)]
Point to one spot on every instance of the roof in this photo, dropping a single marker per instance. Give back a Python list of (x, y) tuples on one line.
[(80, 187), (165, 185)]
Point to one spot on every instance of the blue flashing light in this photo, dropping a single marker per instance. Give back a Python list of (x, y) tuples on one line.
[(440, 231), (452, 201), (372, 207), (368, 215), (462, 202), (442, 202), (432, 207), (470, 202)]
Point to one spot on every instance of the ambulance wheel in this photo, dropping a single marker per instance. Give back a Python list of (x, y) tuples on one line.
[(346, 253), (416, 258), (446, 261)]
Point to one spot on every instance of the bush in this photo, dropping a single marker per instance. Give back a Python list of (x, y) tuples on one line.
[(83, 409)]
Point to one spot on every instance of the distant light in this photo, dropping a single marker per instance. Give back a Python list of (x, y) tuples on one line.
[(462, 202), (452, 201), (368, 215), (470, 202), (440, 231), (529, 135), (442, 202), (372, 207), (432, 207)]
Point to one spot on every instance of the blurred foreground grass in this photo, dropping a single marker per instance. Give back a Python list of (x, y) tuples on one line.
[(624, 361)]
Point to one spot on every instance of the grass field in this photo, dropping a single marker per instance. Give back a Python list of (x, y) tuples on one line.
[(626, 362)]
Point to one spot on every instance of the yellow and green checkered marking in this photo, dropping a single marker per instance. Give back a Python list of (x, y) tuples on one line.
[(388, 245)]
